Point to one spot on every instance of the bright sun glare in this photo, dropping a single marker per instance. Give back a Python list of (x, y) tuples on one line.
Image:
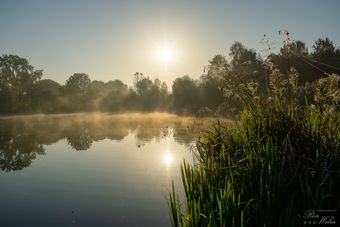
[(168, 159), (166, 54)]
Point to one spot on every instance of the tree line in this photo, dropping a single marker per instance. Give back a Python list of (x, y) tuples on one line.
[(220, 89)]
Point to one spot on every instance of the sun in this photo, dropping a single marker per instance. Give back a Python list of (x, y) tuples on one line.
[(166, 54)]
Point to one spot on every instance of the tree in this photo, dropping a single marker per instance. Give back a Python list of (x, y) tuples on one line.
[(294, 55), (237, 53), (106, 96), (17, 73), (45, 96), (297, 47), (150, 95), (78, 84), (325, 52), (210, 94), (323, 48), (76, 93), (116, 86), (142, 84), (17, 77), (185, 95), (310, 67), (217, 68), (244, 75)]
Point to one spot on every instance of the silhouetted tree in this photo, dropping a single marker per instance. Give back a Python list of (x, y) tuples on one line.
[(246, 65), (78, 84), (107, 96), (324, 51), (185, 95), (150, 95), (45, 96), (17, 78), (76, 90), (292, 55), (211, 96)]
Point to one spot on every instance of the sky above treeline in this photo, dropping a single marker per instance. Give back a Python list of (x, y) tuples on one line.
[(165, 39)]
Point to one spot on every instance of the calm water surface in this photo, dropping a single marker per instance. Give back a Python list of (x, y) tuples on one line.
[(91, 170)]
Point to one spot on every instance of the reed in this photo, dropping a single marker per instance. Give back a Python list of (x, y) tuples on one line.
[(281, 160)]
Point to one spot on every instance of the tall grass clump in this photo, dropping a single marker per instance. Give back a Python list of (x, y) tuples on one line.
[(282, 160)]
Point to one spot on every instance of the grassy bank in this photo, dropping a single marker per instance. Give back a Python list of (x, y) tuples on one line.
[(281, 161)]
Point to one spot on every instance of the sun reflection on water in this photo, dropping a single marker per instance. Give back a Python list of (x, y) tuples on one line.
[(168, 159)]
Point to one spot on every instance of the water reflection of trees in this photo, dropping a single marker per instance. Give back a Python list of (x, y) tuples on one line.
[(18, 146), (23, 138), (81, 141)]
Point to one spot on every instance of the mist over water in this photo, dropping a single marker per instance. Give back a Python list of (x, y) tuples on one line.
[(92, 169)]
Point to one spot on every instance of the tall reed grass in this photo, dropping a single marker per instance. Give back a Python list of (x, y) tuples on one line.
[(279, 162)]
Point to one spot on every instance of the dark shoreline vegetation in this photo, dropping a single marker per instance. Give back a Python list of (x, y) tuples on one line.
[(279, 167), (283, 158), (281, 162)]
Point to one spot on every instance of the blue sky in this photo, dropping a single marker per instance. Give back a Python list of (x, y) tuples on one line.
[(113, 39)]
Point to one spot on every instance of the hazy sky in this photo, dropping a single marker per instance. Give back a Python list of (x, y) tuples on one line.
[(114, 39)]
